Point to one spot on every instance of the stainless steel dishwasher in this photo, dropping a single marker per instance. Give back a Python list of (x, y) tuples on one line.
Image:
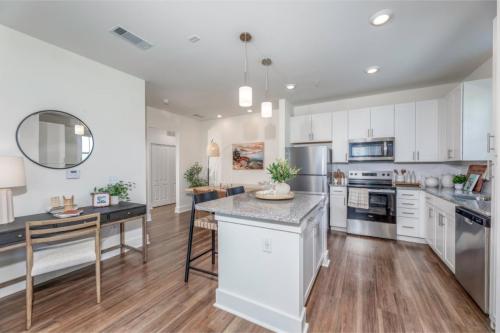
[(472, 253)]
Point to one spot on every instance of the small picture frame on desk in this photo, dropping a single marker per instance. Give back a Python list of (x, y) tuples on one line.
[(100, 199)]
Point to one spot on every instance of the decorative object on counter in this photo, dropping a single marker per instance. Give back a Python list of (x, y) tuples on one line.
[(471, 182), (69, 202), (100, 199), (248, 156), (117, 191), (405, 178), (270, 195), (55, 202), (413, 177), (192, 176), (431, 182), (459, 181), (479, 169), (447, 180), (212, 151), (11, 176), (339, 177), (281, 172)]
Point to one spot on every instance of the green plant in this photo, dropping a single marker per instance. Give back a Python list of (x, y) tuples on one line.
[(281, 171), (192, 176), (459, 179), (119, 189)]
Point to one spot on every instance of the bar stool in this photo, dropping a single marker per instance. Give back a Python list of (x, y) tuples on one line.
[(206, 222), (235, 190)]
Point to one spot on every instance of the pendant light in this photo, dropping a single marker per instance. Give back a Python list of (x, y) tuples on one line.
[(266, 108), (245, 91)]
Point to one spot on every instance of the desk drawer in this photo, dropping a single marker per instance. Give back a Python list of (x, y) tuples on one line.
[(126, 214), (10, 238)]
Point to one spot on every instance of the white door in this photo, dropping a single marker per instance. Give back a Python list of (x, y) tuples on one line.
[(405, 132), (162, 175), (382, 121), (340, 136), (426, 120), (359, 123), (300, 129), (321, 127), (338, 211)]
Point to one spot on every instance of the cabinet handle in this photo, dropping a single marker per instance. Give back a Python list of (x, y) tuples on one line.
[(407, 227), (407, 204), (312, 136), (344, 201), (418, 155), (368, 132), (488, 142), (371, 133), (414, 156), (406, 195), (345, 157), (406, 213)]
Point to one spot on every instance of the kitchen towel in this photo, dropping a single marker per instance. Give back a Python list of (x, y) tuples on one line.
[(358, 198)]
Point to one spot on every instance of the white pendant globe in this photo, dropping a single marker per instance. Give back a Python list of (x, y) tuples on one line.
[(245, 96), (266, 110)]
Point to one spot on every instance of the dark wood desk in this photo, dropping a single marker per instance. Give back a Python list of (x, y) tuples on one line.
[(12, 234)]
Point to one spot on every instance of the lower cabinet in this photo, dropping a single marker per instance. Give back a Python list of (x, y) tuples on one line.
[(338, 208), (408, 215)]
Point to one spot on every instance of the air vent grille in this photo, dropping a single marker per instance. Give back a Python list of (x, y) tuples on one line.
[(197, 116), (170, 133), (131, 38)]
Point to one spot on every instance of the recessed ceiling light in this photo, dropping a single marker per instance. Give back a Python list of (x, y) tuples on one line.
[(249, 111), (372, 70), (381, 17), (219, 116), (194, 38), (165, 101), (290, 86)]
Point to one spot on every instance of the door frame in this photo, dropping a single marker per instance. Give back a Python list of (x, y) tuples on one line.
[(151, 171)]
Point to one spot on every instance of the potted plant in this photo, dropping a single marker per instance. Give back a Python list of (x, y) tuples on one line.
[(281, 172), (192, 176), (459, 181), (117, 191)]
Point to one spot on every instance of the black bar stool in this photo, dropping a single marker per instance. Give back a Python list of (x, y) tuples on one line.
[(206, 222), (235, 190)]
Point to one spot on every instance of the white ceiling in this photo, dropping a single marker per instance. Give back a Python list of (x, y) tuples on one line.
[(322, 46)]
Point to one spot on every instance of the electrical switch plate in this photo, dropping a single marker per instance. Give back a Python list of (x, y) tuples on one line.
[(73, 174), (267, 245)]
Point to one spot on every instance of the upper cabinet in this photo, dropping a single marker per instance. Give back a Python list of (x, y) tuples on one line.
[(311, 128), (405, 132), (340, 136), (426, 131), (375, 122)]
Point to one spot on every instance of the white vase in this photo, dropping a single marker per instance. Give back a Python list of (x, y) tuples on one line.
[(459, 187), (115, 200), (281, 188)]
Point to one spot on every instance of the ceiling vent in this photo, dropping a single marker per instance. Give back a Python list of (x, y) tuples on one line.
[(194, 38), (131, 38), (197, 116)]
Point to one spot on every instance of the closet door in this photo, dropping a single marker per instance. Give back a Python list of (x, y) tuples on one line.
[(162, 175)]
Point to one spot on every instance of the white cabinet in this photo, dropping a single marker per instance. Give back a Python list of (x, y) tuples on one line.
[(405, 132), (338, 208), (311, 128), (430, 221), (408, 215), (340, 136), (426, 131), (449, 249), (359, 123), (308, 259), (453, 125), (382, 121), (440, 233)]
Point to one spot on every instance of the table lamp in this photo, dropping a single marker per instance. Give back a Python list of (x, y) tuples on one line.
[(212, 151), (11, 175)]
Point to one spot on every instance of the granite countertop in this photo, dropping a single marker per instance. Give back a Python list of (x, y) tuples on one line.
[(246, 205)]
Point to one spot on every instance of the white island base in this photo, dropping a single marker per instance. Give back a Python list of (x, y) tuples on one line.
[(267, 269)]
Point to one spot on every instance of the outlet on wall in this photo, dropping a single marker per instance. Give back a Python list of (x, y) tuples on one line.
[(267, 245)]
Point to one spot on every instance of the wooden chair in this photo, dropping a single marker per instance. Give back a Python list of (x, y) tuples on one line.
[(52, 245), (235, 190), (205, 222)]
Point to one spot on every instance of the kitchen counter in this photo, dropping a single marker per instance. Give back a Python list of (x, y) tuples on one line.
[(246, 205)]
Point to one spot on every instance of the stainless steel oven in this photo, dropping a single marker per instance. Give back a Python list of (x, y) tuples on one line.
[(372, 149), (379, 218)]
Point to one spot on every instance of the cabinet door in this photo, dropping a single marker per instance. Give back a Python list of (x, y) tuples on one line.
[(449, 251), (300, 129), (405, 132), (454, 128), (321, 127), (440, 233), (340, 137), (430, 226), (382, 121), (338, 211), (308, 264), (426, 131), (359, 123)]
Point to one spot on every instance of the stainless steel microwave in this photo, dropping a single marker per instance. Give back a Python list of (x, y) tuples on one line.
[(372, 149)]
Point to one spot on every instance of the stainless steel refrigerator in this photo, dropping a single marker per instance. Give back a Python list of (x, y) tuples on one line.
[(313, 162)]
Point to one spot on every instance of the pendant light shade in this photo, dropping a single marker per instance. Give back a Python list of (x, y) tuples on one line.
[(245, 96), (266, 110)]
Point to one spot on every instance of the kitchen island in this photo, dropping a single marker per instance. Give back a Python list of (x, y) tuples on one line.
[(269, 255)]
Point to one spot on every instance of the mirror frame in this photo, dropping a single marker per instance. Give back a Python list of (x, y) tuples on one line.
[(48, 167)]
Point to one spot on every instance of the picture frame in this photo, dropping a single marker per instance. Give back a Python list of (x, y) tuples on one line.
[(471, 182), (101, 199), (248, 156)]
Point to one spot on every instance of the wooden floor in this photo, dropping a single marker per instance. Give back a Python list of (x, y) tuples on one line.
[(371, 285)]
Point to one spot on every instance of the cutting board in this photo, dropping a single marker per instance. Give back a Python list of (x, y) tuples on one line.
[(479, 169)]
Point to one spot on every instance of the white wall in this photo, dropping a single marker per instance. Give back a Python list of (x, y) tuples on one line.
[(34, 76), (191, 143)]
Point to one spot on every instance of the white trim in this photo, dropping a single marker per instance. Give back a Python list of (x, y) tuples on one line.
[(296, 229), (338, 229), (182, 209), (326, 259), (275, 320)]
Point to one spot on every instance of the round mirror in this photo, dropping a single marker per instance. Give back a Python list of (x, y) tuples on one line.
[(54, 139)]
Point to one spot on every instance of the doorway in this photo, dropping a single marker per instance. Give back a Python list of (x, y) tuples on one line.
[(162, 175)]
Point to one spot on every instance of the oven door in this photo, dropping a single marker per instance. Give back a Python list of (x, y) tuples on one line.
[(371, 150), (382, 207)]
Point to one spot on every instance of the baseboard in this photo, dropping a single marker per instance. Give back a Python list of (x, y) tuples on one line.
[(338, 229), (182, 209), (492, 321), (411, 239), (260, 314)]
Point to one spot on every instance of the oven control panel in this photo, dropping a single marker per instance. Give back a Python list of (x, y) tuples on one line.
[(380, 175)]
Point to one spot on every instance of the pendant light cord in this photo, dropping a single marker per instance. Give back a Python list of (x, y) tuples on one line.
[(267, 80), (246, 65)]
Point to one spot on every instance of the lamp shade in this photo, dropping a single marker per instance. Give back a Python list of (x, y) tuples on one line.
[(245, 96), (213, 149), (12, 172), (266, 110)]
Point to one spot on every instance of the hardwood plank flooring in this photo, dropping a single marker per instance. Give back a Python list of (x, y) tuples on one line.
[(371, 285)]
